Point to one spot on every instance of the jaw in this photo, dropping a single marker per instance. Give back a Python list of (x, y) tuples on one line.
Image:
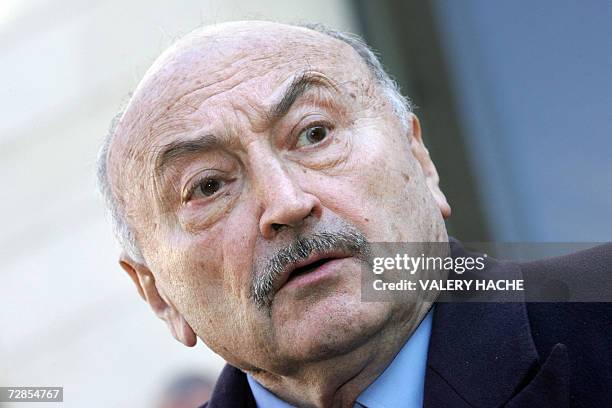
[(334, 362), (325, 325)]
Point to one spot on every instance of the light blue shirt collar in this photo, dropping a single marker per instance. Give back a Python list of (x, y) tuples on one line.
[(401, 385)]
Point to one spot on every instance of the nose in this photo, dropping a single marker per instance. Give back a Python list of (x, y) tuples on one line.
[(285, 204)]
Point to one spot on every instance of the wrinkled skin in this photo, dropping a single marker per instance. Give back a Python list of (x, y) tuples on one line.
[(272, 181)]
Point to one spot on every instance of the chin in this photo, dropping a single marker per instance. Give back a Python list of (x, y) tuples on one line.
[(325, 328)]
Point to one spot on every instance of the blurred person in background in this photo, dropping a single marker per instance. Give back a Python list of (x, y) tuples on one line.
[(252, 167), (186, 391)]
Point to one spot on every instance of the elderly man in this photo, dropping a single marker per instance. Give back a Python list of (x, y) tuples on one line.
[(252, 167)]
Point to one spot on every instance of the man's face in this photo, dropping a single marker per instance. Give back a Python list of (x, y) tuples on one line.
[(256, 163)]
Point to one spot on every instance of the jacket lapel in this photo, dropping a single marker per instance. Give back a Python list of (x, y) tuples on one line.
[(550, 387), (483, 355), (232, 390)]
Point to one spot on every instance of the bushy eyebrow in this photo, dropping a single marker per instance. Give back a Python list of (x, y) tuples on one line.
[(301, 84), (180, 149)]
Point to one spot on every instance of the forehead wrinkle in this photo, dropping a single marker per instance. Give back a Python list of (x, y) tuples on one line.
[(307, 85), (239, 70), (185, 113), (265, 111), (190, 101), (177, 72), (206, 52)]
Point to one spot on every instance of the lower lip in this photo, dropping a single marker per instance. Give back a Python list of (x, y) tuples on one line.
[(316, 275)]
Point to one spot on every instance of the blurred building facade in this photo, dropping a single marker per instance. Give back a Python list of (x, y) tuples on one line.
[(515, 99)]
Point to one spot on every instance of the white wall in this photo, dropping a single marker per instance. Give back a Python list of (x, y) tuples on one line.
[(68, 315)]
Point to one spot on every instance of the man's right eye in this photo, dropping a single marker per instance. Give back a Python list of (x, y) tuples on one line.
[(312, 135), (206, 188)]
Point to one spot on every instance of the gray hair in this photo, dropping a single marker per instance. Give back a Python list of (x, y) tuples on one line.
[(121, 228), (124, 234)]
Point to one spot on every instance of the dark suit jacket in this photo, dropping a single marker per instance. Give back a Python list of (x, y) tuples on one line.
[(506, 354)]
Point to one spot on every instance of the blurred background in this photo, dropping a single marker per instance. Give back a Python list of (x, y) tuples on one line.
[(515, 100)]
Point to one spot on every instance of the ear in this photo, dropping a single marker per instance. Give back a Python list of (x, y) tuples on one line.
[(421, 153), (147, 289)]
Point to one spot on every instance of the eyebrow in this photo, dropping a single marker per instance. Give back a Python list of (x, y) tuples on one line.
[(301, 84), (177, 150)]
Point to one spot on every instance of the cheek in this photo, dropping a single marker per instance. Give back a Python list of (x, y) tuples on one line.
[(216, 261), (381, 189), (202, 282), (195, 275), (238, 237), (376, 190)]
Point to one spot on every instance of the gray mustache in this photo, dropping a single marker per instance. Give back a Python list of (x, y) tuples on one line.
[(349, 241)]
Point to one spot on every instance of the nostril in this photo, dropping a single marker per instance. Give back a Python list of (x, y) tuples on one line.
[(277, 227)]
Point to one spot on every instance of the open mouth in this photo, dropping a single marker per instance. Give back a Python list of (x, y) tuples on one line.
[(314, 268), (303, 270)]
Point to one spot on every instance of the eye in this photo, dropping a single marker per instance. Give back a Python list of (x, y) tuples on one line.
[(312, 135), (207, 188)]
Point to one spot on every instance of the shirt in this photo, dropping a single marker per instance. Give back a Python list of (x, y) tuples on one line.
[(401, 385)]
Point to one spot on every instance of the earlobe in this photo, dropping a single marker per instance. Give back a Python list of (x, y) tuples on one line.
[(147, 289), (420, 152)]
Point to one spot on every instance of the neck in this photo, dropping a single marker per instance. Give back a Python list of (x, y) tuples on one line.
[(337, 382)]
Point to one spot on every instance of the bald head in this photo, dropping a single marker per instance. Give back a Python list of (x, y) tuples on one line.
[(253, 150), (188, 71)]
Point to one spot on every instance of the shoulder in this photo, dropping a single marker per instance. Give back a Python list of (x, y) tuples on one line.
[(585, 328), (580, 320), (592, 262)]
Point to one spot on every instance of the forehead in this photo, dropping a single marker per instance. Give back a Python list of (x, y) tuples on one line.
[(220, 71), (244, 64)]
